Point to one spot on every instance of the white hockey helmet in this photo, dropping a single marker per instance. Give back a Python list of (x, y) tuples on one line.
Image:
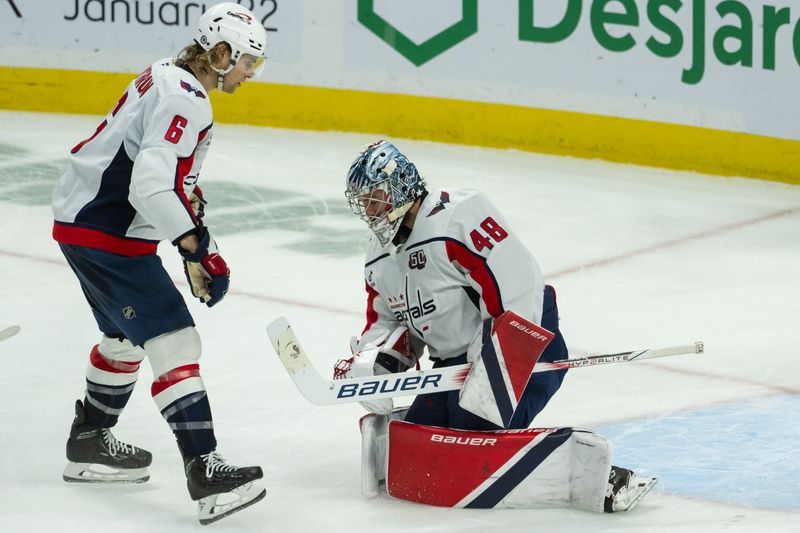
[(237, 26)]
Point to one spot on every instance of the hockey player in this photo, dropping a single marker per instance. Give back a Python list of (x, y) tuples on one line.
[(441, 265), (130, 185)]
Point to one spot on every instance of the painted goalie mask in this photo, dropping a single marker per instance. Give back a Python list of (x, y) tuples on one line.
[(381, 187)]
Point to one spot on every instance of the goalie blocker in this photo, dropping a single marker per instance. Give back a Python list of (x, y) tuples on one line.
[(523, 468), (503, 356)]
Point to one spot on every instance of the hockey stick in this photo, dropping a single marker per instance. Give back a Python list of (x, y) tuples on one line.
[(9, 332), (330, 392)]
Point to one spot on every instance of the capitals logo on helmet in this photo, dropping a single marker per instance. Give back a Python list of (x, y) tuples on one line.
[(244, 17), (234, 24), (382, 185)]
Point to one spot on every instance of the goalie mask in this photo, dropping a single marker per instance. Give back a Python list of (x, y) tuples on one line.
[(382, 185), (237, 26)]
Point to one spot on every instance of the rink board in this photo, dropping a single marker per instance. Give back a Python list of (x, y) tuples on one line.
[(616, 139)]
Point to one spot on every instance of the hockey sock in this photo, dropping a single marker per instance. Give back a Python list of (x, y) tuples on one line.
[(109, 384), (181, 397)]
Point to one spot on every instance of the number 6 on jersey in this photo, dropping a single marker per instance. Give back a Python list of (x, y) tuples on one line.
[(175, 131)]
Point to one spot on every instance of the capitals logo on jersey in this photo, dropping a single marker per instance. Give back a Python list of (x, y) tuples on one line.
[(444, 198), (191, 89), (413, 311)]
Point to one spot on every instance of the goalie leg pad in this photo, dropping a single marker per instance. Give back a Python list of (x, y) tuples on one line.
[(374, 444), (503, 358), (530, 468)]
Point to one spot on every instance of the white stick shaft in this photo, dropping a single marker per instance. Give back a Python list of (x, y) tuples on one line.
[(329, 392), (624, 357)]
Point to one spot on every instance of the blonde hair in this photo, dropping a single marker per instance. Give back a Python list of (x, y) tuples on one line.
[(197, 58)]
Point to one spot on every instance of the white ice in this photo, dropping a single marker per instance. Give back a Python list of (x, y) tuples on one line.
[(639, 257)]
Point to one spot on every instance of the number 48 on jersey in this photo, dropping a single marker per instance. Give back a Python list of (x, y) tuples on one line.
[(492, 233)]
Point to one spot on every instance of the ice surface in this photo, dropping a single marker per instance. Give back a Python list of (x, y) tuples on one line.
[(639, 257)]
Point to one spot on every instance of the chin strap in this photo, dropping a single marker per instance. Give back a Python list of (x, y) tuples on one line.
[(400, 212), (221, 75)]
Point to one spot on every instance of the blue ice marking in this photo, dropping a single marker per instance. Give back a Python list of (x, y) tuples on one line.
[(745, 453)]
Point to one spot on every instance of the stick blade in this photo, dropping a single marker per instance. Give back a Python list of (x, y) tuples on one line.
[(9, 332), (296, 361), (288, 348), (275, 329)]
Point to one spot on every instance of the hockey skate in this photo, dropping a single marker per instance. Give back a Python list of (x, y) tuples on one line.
[(625, 490), (221, 489), (95, 456)]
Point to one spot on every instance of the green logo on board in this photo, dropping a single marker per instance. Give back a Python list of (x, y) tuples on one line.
[(423, 52)]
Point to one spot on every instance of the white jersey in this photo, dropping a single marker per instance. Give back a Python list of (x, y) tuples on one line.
[(460, 265), (127, 186)]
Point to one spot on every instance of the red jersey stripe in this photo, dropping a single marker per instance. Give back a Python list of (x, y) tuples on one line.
[(91, 238), (372, 314), (480, 273), (182, 170)]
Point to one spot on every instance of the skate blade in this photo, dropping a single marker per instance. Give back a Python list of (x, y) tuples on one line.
[(95, 473), (637, 490), (218, 506)]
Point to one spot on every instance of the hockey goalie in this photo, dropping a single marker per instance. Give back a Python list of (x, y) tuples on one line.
[(445, 273)]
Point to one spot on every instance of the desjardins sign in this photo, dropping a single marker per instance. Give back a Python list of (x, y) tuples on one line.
[(734, 28)]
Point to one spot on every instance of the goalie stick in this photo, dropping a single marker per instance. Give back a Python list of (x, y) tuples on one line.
[(320, 391), (8, 332)]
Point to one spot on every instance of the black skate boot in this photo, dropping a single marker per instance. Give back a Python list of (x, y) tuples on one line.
[(221, 489), (95, 456), (625, 490)]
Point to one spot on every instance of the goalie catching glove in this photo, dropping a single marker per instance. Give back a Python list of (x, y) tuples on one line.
[(389, 354), (206, 271)]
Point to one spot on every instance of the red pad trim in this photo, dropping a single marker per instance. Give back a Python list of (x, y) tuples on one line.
[(176, 375), (521, 343), (479, 272), (101, 362), (439, 466)]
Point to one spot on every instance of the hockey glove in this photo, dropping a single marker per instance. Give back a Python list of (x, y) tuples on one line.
[(206, 271), (386, 357)]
